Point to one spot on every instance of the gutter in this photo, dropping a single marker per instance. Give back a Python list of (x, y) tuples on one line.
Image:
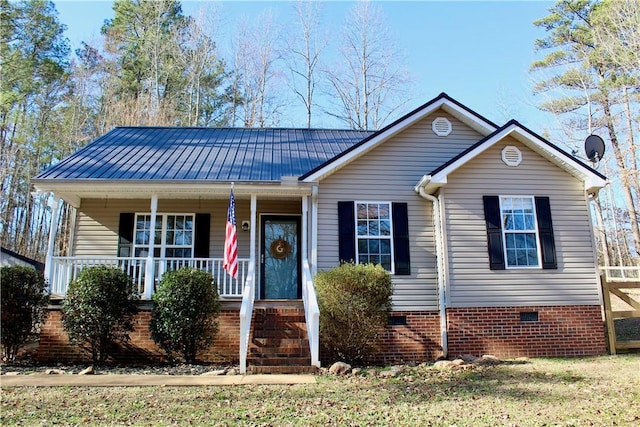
[(440, 267)]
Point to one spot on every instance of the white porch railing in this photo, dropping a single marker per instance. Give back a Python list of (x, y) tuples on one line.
[(66, 269), (311, 313), (246, 313)]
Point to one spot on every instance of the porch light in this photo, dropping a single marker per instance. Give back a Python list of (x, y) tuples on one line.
[(246, 225)]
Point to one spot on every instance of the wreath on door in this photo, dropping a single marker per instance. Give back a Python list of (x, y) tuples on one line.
[(280, 248)]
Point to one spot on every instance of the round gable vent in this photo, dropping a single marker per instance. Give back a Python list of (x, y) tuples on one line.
[(511, 156), (441, 126)]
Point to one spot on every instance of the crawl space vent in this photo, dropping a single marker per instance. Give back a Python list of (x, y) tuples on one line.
[(441, 126), (511, 156)]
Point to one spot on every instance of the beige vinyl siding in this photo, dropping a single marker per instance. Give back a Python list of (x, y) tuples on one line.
[(470, 281), (96, 232), (389, 173)]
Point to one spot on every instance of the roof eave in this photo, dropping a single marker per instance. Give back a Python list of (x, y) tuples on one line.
[(448, 104)]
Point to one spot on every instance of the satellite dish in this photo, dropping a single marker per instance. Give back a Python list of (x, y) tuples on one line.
[(594, 148)]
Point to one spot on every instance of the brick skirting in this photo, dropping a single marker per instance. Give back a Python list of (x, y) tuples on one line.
[(54, 343), (413, 336), (575, 330)]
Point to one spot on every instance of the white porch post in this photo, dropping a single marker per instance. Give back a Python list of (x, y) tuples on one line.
[(149, 278), (252, 244), (53, 228), (305, 227), (314, 230)]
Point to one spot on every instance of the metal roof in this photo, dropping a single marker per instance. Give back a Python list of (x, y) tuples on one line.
[(209, 154)]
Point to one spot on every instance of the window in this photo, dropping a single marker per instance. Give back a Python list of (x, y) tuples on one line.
[(520, 231), (374, 234), (173, 236)]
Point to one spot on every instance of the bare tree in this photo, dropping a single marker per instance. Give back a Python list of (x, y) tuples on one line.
[(370, 82), (304, 48), (255, 73)]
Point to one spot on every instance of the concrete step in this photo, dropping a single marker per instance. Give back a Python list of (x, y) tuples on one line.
[(282, 369)]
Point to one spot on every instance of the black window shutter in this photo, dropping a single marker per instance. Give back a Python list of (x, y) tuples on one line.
[(402, 264), (494, 232), (202, 229), (545, 232), (346, 232), (125, 234)]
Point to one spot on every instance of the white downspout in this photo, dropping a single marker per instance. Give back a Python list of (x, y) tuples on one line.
[(440, 268)]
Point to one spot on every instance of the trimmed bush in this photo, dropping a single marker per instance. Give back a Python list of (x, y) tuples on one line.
[(98, 311), (355, 302), (184, 316), (23, 303)]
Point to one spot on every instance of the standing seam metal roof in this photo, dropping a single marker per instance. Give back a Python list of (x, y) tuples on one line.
[(210, 154)]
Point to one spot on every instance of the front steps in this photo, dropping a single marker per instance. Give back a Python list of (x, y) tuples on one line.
[(279, 342)]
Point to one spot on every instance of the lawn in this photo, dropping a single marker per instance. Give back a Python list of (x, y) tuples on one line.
[(603, 391)]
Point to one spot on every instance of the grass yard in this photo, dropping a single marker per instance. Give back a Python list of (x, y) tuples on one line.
[(603, 391)]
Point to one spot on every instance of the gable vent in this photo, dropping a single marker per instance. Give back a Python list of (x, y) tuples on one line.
[(441, 126), (511, 156)]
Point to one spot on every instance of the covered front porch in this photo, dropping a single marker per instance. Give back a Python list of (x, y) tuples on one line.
[(276, 237)]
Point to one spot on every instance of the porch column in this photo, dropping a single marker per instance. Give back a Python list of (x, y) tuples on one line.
[(53, 229), (314, 230), (305, 227), (149, 278), (252, 243)]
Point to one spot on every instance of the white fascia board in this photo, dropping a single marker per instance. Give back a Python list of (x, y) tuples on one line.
[(453, 109), (591, 180), (74, 191)]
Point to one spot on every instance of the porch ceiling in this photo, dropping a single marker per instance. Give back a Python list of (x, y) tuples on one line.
[(74, 191)]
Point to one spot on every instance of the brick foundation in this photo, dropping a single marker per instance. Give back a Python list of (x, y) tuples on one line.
[(559, 331), (54, 343), (413, 338), (414, 342)]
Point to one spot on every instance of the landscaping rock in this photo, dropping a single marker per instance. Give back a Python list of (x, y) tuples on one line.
[(457, 362), (54, 372), (443, 365), (391, 373), (356, 371), (87, 371), (340, 368), (233, 371), (487, 360), (468, 358)]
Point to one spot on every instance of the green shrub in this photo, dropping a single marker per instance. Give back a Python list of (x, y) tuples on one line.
[(98, 311), (355, 302), (185, 309), (23, 304)]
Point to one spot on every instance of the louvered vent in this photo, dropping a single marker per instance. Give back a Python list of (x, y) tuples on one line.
[(441, 126), (511, 156)]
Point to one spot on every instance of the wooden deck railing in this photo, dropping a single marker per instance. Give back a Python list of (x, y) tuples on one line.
[(66, 269), (620, 283)]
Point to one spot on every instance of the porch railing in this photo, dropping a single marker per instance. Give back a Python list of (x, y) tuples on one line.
[(311, 313), (246, 313), (621, 274), (66, 269)]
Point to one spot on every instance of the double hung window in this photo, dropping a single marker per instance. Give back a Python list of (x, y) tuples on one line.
[(520, 231), (173, 235), (374, 234)]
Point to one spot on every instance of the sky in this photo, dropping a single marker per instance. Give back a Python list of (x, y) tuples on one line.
[(478, 52)]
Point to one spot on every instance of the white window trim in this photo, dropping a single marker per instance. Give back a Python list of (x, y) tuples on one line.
[(390, 237), (163, 233), (505, 232)]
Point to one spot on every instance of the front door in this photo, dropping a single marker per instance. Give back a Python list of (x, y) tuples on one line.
[(280, 257)]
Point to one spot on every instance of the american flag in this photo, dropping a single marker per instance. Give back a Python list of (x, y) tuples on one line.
[(230, 260)]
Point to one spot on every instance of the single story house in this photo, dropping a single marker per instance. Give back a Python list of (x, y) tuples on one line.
[(485, 229)]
